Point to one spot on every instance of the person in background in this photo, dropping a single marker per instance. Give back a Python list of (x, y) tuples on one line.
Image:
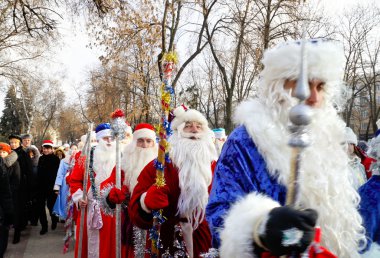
[(27, 141), (47, 172), (219, 139), (369, 209), (128, 135), (34, 155), (23, 207), (60, 186), (12, 170), (66, 149), (367, 161), (358, 175), (60, 153), (6, 205)]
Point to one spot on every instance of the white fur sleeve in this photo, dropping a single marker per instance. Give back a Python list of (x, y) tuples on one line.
[(240, 222), (373, 252), (77, 196)]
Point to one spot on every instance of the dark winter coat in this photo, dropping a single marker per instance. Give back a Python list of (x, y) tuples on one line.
[(34, 178), (14, 179), (13, 170), (25, 164), (6, 205), (47, 172)]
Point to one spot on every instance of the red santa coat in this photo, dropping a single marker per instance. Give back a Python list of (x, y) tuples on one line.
[(201, 236), (104, 243)]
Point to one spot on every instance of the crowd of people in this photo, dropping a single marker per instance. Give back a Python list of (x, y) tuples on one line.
[(220, 197)]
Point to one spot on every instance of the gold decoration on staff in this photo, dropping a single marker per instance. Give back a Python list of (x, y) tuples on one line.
[(169, 61)]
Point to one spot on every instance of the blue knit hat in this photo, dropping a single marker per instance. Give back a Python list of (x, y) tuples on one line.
[(103, 130)]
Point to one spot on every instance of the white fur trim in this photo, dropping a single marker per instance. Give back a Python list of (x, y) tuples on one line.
[(191, 115), (351, 136), (325, 61), (77, 196), (187, 232), (56, 188), (273, 146), (144, 133), (142, 202), (237, 235), (103, 133), (373, 252)]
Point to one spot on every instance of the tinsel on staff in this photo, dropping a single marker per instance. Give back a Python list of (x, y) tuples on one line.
[(169, 61)]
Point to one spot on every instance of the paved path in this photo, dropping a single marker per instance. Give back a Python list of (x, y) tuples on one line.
[(33, 245)]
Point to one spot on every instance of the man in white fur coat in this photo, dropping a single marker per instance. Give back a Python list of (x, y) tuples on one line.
[(246, 211)]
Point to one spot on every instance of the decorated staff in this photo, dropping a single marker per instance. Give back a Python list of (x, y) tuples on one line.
[(86, 153), (169, 61), (119, 128)]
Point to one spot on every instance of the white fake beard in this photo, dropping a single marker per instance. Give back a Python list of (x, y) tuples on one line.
[(126, 141), (193, 159), (104, 161), (133, 162), (324, 183)]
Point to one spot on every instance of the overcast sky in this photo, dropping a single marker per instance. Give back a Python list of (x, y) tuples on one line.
[(74, 59)]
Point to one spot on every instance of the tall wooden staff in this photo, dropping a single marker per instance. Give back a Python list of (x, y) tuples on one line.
[(86, 153), (119, 128), (169, 61)]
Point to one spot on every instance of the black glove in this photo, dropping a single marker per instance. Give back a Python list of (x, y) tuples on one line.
[(289, 230)]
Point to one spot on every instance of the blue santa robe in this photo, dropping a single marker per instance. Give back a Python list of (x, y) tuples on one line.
[(240, 170), (59, 208), (370, 210)]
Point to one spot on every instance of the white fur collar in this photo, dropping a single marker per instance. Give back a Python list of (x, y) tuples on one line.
[(270, 139)]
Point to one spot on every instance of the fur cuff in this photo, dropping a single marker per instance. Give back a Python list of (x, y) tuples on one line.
[(77, 196), (142, 203), (56, 187), (104, 205), (240, 223), (373, 252)]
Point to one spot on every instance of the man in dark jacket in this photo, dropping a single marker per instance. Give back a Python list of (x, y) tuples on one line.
[(47, 172), (23, 200), (12, 167), (6, 208)]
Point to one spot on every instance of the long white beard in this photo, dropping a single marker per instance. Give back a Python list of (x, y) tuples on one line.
[(324, 174), (193, 159), (104, 161), (133, 162)]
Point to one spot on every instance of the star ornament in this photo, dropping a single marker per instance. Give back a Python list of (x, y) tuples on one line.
[(291, 237)]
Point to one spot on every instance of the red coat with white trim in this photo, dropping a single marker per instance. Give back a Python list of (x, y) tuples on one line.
[(201, 236)]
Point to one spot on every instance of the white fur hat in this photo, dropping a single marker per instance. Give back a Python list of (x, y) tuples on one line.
[(324, 58), (144, 130), (351, 136), (183, 114)]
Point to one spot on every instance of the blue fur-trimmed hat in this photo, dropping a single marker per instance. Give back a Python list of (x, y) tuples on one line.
[(103, 130), (219, 133)]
